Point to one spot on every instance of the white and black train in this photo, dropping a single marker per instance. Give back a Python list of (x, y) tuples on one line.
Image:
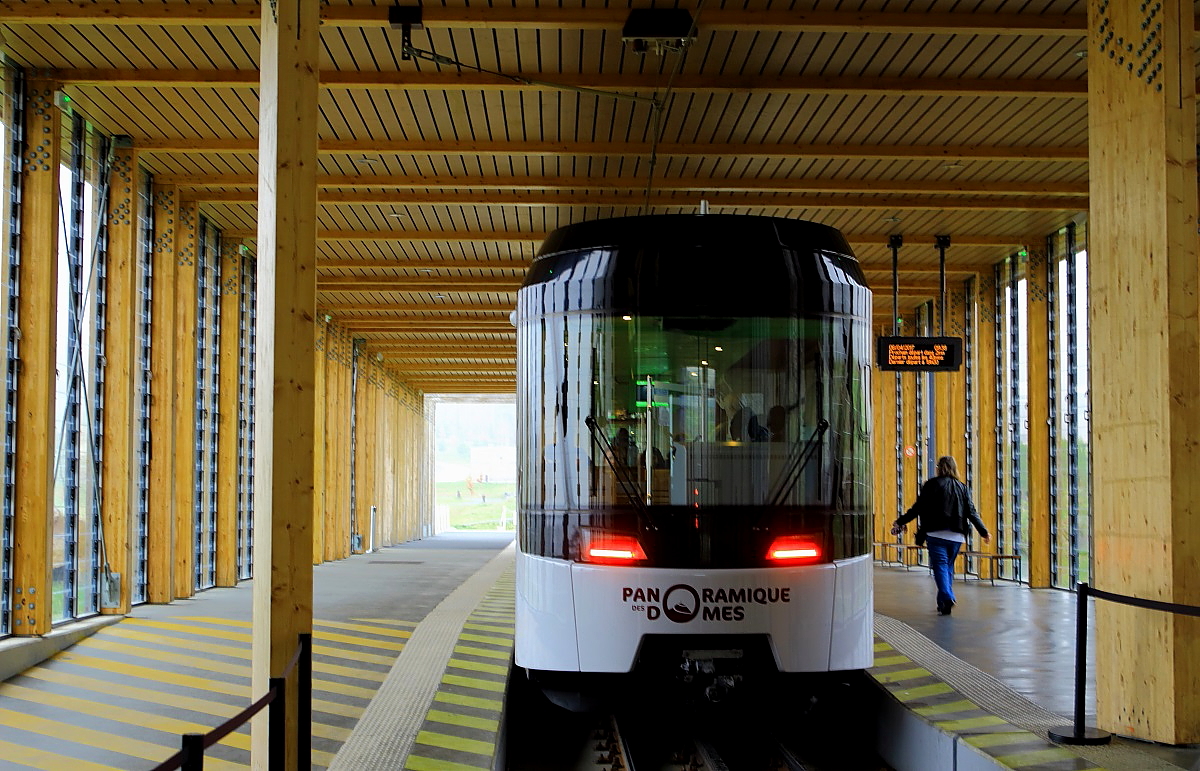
[(695, 454)]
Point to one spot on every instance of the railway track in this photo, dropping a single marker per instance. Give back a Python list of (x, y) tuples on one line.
[(831, 730), (628, 742)]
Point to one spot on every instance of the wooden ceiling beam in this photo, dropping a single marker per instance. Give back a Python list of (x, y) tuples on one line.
[(481, 360), (608, 19), (485, 371), (485, 236), (428, 324), (636, 199), (429, 348), (407, 284), (670, 184), (432, 264), (419, 284), (594, 149), (630, 84), (422, 308)]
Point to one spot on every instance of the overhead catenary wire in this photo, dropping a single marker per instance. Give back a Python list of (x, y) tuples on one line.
[(658, 105)]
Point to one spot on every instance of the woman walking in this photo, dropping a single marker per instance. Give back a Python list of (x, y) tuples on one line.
[(943, 512)]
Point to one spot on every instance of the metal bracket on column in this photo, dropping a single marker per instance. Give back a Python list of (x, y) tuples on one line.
[(406, 17), (895, 241), (942, 243)]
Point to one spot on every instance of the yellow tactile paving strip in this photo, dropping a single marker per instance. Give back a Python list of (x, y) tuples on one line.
[(461, 728), (121, 698), (922, 693)]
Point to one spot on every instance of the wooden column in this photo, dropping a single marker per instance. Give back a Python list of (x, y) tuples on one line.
[(37, 317), (321, 495), (986, 460), (228, 460), (1143, 284), (118, 469), (1037, 327), (346, 510), (186, 256), (286, 384), (955, 416), (160, 564), (336, 418), (364, 423)]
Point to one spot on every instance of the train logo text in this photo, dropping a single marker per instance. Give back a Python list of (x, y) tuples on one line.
[(681, 603)]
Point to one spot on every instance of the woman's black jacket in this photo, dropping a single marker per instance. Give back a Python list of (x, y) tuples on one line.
[(943, 504)]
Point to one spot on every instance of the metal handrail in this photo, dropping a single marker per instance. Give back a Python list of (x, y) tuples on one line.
[(190, 756)]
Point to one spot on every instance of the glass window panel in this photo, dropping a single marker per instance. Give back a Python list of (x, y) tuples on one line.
[(66, 413), (10, 148), (79, 372), (1083, 397), (145, 250)]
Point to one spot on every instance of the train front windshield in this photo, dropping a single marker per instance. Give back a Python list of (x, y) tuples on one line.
[(700, 412)]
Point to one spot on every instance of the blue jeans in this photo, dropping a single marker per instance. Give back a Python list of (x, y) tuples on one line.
[(942, 554)]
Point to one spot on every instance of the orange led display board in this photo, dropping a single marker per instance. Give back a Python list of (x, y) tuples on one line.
[(919, 354)]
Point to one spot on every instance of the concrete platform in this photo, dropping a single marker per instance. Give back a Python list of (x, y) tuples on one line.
[(411, 666)]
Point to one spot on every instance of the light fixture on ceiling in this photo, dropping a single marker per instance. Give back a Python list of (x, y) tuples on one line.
[(1081, 53), (891, 219), (953, 165)]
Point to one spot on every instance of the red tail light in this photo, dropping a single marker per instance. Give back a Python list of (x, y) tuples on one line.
[(611, 548), (794, 550)]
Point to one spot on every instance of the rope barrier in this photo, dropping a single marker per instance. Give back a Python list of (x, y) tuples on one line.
[(1077, 732)]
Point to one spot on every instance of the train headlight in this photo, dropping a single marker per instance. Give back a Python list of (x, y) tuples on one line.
[(794, 550), (601, 548)]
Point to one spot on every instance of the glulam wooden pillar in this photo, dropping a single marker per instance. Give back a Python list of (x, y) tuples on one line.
[(286, 388), (122, 372), (160, 565), (1144, 281), (987, 460), (1037, 326), (33, 527), (187, 250)]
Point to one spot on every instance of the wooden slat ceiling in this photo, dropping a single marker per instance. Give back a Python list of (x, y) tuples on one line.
[(437, 181)]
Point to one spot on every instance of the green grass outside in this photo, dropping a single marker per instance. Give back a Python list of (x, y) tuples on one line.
[(480, 505)]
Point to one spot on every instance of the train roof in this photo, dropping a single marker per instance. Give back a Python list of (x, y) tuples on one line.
[(684, 230)]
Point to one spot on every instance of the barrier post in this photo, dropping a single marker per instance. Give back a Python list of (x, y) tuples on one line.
[(193, 752), (1078, 733), (304, 701), (277, 726)]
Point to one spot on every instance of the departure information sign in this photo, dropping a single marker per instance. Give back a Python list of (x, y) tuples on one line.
[(919, 354)]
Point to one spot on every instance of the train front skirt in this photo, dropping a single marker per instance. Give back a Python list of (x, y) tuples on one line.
[(585, 618)]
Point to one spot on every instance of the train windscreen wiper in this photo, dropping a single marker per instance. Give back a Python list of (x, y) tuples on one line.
[(796, 464), (627, 482)]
